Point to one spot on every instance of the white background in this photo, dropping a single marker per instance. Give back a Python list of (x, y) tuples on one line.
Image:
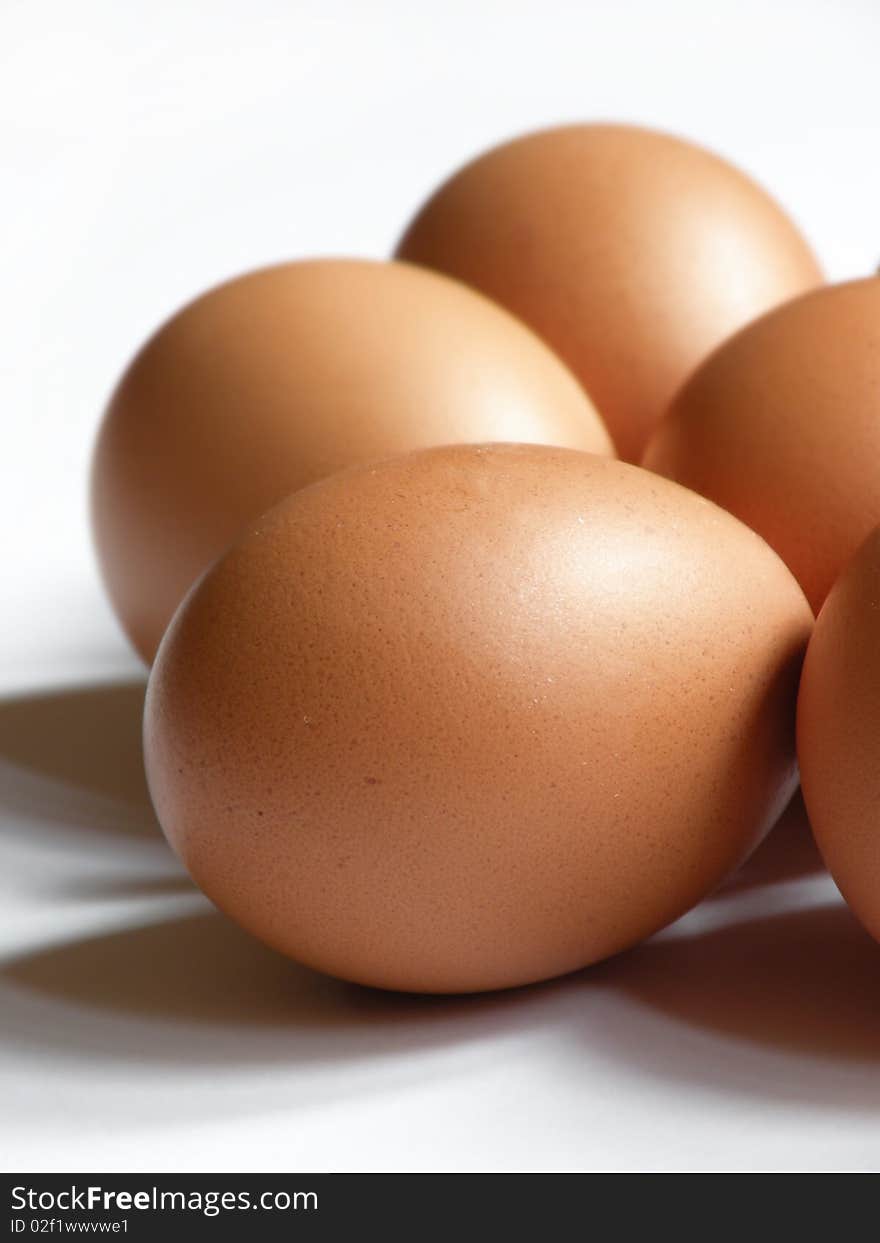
[(149, 150)]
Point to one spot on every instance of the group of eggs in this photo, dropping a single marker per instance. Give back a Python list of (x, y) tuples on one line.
[(457, 695)]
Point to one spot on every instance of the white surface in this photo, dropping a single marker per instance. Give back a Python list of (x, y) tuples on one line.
[(148, 151)]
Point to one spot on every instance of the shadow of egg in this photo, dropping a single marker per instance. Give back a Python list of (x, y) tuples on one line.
[(805, 981), (788, 852), (196, 988), (74, 756)]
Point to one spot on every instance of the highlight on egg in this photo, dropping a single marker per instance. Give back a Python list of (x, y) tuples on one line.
[(282, 376), (781, 426), (631, 252), (476, 716)]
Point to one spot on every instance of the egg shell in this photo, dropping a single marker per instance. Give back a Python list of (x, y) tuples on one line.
[(838, 733), (782, 427), (631, 252), (282, 376), (476, 716)]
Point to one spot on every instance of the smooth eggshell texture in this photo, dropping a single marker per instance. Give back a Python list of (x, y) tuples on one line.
[(474, 716), (839, 733), (782, 427), (285, 375), (631, 252)]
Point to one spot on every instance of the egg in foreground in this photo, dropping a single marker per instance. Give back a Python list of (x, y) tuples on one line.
[(476, 716), (838, 729), (282, 376), (631, 252)]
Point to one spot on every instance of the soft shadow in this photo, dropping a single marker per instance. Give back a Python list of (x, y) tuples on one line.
[(787, 853), (75, 756), (104, 887), (89, 737), (197, 988), (806, 981)]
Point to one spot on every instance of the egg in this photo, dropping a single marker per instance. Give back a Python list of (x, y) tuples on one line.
[(631, 252), (476, 716), (282, 376), (782, 427), (838, 733)]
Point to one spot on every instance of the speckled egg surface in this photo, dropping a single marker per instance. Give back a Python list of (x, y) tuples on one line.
[(476, 716), (631, 252), (283, 376), (839, 733), (781, 425)]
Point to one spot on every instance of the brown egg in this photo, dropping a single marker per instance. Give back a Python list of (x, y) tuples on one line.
[(631, 252), (782, 427), (476, 716), (278, 378), (838, 730)]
